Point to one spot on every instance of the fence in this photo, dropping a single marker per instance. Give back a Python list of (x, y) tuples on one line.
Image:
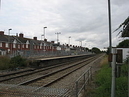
[(31, 54), (83, 80)]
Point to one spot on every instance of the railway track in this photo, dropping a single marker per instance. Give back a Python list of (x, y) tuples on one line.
[(17, 77), (40, 83), (50, 78)]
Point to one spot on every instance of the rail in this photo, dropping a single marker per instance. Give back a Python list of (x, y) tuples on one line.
[(83, 80)]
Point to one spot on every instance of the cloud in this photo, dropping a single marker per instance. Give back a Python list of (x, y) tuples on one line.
[(83, 20)]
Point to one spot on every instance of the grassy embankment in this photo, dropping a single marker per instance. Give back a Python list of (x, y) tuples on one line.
[(10, 63), (102, 82)]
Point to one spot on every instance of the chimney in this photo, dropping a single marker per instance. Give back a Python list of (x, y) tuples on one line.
[(35, 38), (45, 40), (21, 35), (52, 42), (1, 32)]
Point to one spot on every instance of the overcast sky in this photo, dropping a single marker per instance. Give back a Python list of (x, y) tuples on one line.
[(83, 20)]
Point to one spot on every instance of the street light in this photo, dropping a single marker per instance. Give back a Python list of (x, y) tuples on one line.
[(9, 39), (44, 31), (58, 36), (9, 31), (41, 37), (81, 43), (69, 39), (44, 40)]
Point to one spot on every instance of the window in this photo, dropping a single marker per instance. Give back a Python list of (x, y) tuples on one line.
[(35, 47), (18, 46), (23, 46), (41, 46), (14, 45), (26, 45), (6, 45), (0, 44)]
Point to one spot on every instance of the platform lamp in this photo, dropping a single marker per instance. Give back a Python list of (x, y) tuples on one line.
[(44, 31), (44, 39), (9, 39), (69, 39)]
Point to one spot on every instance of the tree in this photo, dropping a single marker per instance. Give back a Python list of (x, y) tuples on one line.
[(125, 31), (123, 44), (95, 50)]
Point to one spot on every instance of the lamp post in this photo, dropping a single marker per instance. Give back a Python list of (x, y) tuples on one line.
[(69, 39), (81, 43), (9, 39), (58, 36), (41, 37), (44, 40), (44, 31), (9, 31)]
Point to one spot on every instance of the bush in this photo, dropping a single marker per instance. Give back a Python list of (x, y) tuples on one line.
[(4, 62), (18, 61)]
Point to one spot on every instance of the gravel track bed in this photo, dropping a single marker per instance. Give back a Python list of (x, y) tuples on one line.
[(55, 76), (29, 77), (69, 81), (58, 74)]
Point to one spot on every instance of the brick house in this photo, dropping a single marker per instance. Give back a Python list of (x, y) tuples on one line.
[(15, 45), (20, 45)]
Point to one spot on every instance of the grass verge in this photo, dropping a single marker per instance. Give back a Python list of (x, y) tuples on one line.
[(102, 82)]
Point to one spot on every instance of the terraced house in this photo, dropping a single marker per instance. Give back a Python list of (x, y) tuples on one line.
[(13, 45), (19, 45)]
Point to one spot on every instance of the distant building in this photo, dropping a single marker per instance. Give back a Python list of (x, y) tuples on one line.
[(19, 45)]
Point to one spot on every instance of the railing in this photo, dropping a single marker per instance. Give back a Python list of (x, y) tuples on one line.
[(83, 80), (34, 54)]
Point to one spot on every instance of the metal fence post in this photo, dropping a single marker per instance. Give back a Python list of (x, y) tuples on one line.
[(76, 88), (91, 72), (88, 76), (84, 81)]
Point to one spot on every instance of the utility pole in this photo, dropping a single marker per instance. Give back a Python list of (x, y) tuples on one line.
[(110, 36), (113, 72), (58, 36), (0, 4), (113, 50)]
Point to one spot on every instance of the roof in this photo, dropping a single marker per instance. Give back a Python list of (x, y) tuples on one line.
[(4, 38)]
